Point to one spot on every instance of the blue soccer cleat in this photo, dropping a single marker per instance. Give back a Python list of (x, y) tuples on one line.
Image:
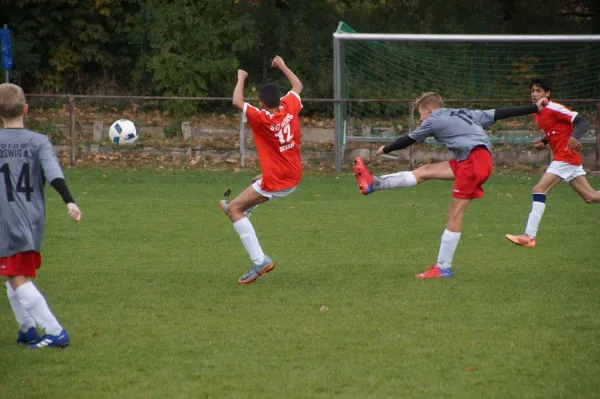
[(28, 337), (61, 340)]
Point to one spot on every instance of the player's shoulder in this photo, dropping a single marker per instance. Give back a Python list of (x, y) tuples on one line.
[(557, 107), (292, 94), (31, 136)]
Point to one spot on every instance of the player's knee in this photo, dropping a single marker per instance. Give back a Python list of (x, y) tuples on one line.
[(423, 172), (538, 189)]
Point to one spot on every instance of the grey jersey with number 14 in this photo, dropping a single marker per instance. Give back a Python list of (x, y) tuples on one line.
[(27, 159), (460, 129)]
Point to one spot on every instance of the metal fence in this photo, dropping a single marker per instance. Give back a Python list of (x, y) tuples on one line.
[(73, 99)]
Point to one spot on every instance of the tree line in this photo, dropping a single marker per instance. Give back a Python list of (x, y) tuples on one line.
[(194, 47)]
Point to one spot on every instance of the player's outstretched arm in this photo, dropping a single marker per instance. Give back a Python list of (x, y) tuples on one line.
[(296, 83), (238, 92), (400, 144), (503, 113), (61, 188)]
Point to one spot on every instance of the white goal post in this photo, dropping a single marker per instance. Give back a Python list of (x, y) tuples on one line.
[(339, 69)]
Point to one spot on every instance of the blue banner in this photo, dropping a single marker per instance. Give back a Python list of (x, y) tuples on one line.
[(7, 61)]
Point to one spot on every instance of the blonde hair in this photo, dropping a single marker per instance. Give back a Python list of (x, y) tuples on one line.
[(432, 98), (12, 101)]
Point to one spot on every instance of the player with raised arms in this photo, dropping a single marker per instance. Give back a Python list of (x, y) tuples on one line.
[(27, 160), (462, 131), (276, 130), (562, 130)]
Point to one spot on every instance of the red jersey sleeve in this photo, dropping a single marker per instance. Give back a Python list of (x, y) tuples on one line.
[(292, 102), (251, 115)]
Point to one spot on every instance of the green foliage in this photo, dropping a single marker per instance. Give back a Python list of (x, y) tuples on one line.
[(193, 47)]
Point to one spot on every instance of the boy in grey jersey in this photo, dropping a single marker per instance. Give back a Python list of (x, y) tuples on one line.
[(461, 131), (27, 160)]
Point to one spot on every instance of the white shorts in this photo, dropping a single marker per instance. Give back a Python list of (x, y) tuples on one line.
[(565, 171), (271, 195)]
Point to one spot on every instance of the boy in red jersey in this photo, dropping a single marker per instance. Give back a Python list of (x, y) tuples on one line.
[(276, 131), (562, 130)]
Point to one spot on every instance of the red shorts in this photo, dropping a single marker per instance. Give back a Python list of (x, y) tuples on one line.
[(21, 264), (470, 174)]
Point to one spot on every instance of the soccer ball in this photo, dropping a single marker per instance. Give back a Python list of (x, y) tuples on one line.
[(123, 132)]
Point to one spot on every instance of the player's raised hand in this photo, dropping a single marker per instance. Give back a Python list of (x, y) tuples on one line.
[(278, 62), (541, 103), (539, 145), (242, 75), (74, 212), (574, 144), (380, 150)]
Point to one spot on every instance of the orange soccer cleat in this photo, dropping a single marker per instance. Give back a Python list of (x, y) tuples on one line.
[(523, 240)]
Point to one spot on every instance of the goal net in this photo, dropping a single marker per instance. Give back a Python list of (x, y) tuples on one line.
[(379, 75)]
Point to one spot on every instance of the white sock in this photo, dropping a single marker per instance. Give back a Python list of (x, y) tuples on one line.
[(248, 236), (395, 180), (535, 216), (448, 246), (33, 301), (23, 317)]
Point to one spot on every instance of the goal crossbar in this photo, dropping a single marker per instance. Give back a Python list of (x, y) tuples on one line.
[(338, 65)]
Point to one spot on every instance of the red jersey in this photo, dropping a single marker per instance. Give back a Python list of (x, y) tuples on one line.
[(556, 121), (277, 139)]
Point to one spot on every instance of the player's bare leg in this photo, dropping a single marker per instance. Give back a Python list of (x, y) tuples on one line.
[(235, 209), (368, 183), (581, 185), (540, 190), (449, 241), (29, 305)]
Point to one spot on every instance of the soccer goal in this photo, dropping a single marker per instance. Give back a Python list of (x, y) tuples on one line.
[(376, 77)]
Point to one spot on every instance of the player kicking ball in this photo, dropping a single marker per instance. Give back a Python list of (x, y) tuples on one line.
[(27, 160), (276, 130), (562, 129), (461, 131)]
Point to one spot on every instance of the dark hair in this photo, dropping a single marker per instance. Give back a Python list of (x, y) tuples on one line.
[(543, 82), (270, 95)]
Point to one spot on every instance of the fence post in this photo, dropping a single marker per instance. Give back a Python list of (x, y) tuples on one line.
[(242, 141), (411, 127), (72, 131), (597, 136)]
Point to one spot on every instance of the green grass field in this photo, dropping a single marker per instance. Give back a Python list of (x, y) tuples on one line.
[(147, 287)]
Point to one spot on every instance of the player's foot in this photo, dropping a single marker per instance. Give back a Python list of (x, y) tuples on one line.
[(523, 240), (435, 272), (223, 205), (52, 341), (28, 337), (256, 271), (364, 177)]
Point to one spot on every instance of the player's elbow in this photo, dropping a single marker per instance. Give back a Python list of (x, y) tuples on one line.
[(297, 88)]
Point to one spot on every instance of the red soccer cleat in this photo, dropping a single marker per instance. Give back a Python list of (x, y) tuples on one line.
[(364, 177), (435, 272)]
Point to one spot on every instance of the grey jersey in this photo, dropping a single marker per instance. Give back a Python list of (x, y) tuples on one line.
[(27, 159), (460, 130)]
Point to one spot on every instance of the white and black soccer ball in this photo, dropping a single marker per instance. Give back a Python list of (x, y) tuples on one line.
[(123, 132)]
